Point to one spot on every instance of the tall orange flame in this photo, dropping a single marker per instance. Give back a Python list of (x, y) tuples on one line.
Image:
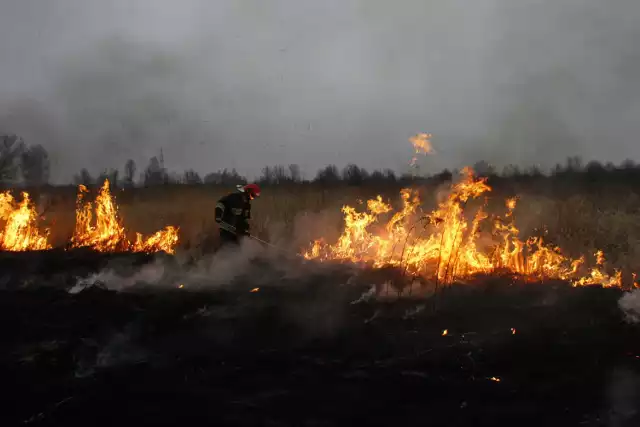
[(20, 231), (446, 246), (107, 234)]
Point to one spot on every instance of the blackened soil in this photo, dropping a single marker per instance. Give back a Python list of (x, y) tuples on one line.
[(304, 355)]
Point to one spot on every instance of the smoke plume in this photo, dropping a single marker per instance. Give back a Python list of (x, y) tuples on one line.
[(241, 84)]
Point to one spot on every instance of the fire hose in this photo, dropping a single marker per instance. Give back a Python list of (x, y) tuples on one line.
[(232, 229)]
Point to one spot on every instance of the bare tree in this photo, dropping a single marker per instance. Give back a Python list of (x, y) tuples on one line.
[(328, 175), (129, 172), (483, 168), (155, 174), (111, 175), (84, 178), (225, 178), (390, 175), (273, 175), (173, 178), (11, 149), (511, 171), (268, 176), (35, 165), (574, 164), (192, 177), (354, 175), (377, 177), (279, 174)]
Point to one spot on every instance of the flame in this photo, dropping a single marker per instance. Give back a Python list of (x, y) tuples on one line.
[(107, 234), (254, 290), (598, 277), (422, 144), (445, 332), (447, 245), (164, 240), (513, 331), (496, 379), (20, 231)]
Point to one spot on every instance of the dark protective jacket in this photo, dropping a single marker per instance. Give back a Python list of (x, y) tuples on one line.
[(233, 212)]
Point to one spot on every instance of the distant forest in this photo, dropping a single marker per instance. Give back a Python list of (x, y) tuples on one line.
[(29, 166)]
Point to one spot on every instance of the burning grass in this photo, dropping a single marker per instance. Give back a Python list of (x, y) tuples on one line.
[(450, 243), (21, 232), (98, 226), (107, 234), (580, 223)]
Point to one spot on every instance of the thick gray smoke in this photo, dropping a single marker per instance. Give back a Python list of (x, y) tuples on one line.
[(630, 306), (248, 265), (244, 83), (209, 272)]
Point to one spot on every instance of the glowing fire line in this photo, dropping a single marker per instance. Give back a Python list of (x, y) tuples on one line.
[(98, 226), (445, 246), (106, 233)]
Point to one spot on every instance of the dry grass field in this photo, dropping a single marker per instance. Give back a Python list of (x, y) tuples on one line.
[(299, 343), (578, 220)]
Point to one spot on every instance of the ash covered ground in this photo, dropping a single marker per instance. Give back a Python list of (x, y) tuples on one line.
[(253, 338)]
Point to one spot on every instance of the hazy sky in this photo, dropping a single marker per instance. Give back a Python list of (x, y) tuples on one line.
[(246, 83)]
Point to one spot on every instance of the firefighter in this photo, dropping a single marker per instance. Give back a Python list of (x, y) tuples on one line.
[(233, 213)]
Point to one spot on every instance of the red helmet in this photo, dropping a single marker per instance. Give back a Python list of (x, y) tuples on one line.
[(253, 190)]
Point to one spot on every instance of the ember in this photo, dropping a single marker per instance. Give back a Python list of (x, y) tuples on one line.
[(422, 144)]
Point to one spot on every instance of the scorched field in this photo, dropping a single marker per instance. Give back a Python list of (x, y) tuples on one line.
[(468, 302)]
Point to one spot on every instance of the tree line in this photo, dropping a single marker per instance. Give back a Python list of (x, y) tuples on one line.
[(572, 172), (30, 165), (156, 173)]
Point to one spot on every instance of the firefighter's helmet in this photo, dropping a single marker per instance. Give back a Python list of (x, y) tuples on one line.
[(252, 190)]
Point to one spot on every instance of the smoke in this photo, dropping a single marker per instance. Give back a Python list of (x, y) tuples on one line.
[(319, 311), (309, 226), (208, 272), (249, 265), (118, 281), (240, 84), (630, 306)]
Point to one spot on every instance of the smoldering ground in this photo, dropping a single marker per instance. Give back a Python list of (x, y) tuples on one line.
[(309, 346), (623, 396), (248, 268)]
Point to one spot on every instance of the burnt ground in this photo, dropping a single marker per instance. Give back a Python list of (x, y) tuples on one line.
[(304, 353)]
